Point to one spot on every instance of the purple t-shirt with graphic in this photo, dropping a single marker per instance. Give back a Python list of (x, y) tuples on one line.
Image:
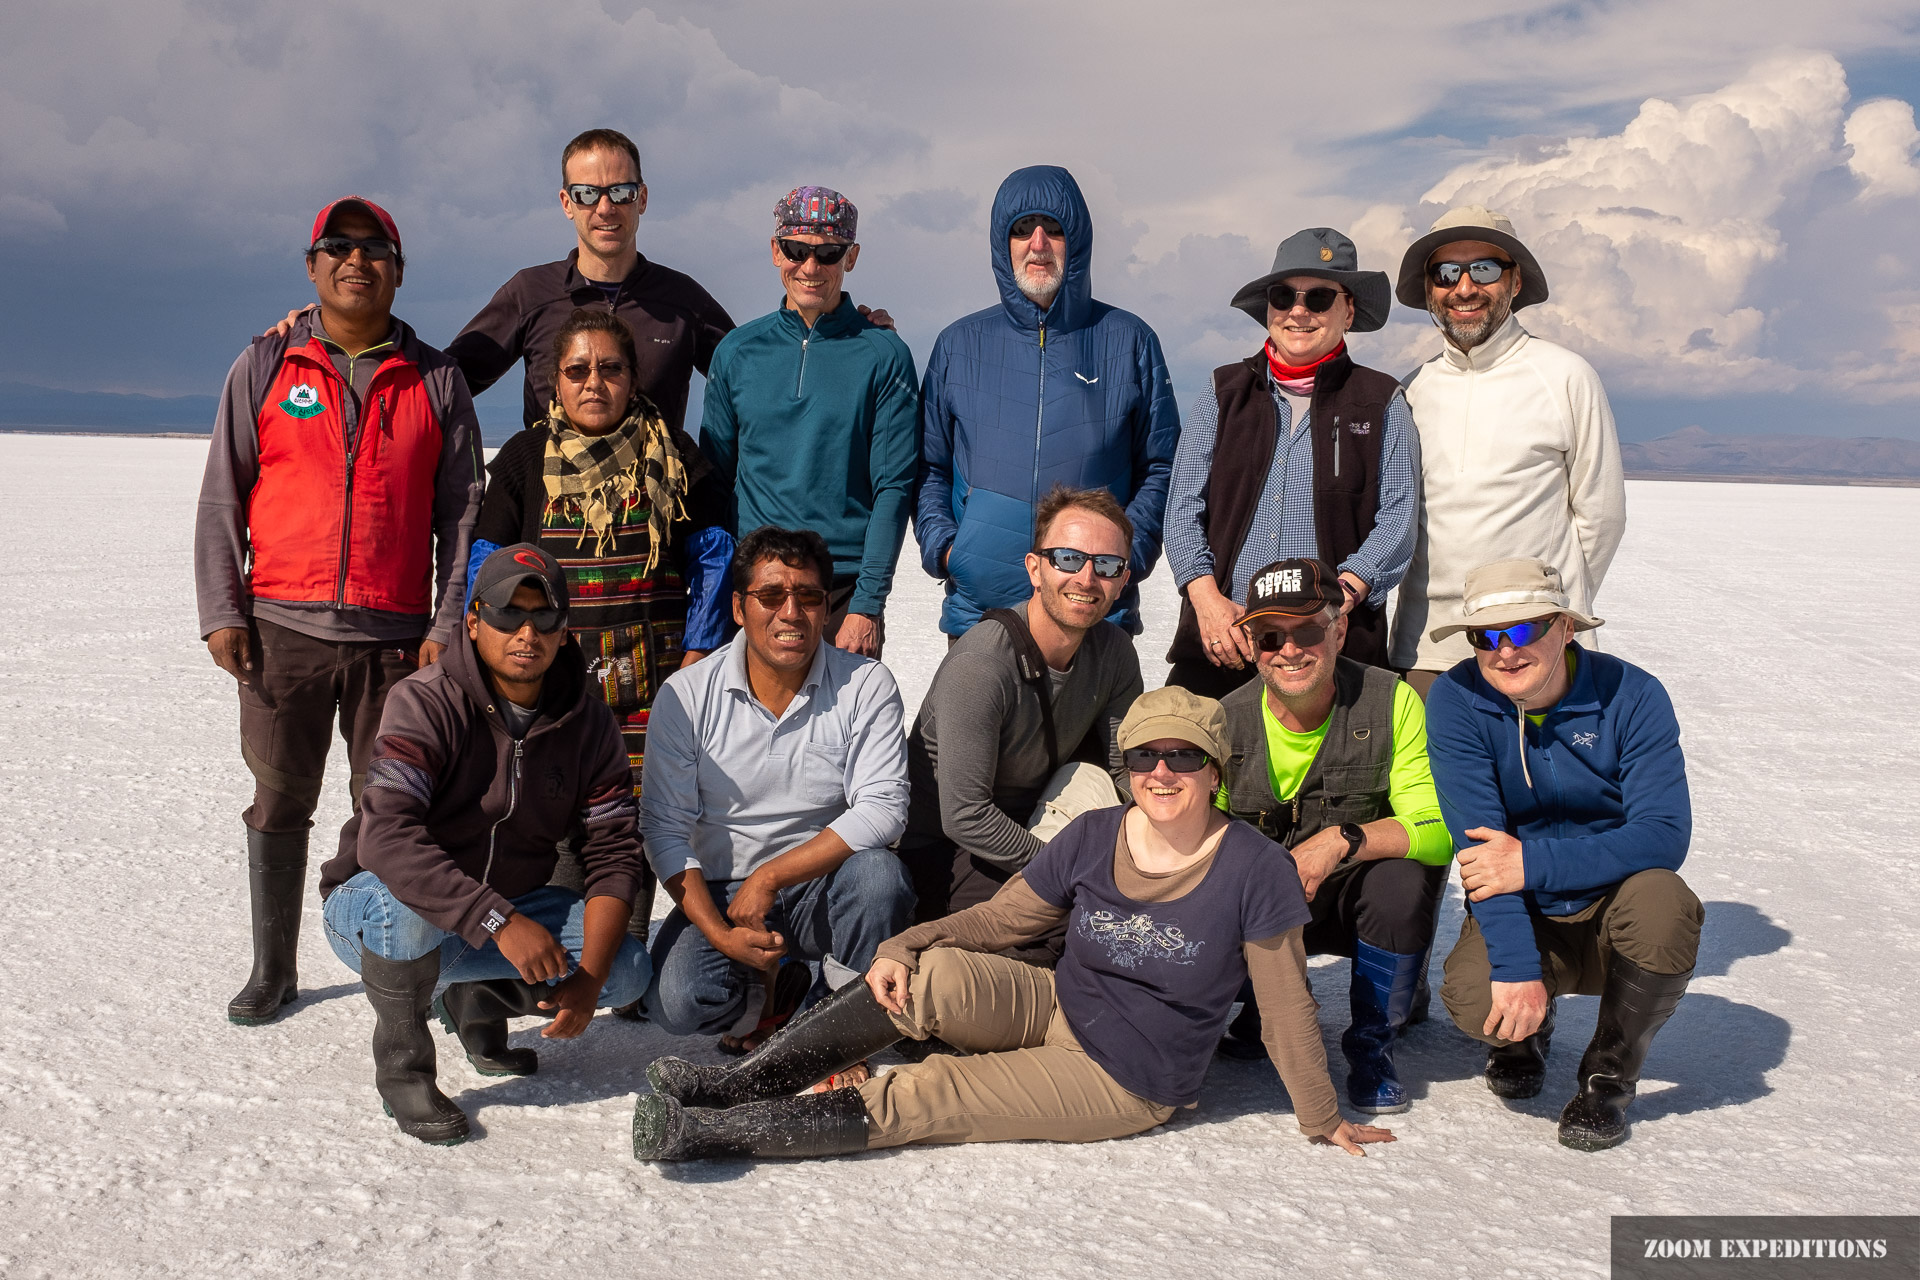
[(1147, 986)]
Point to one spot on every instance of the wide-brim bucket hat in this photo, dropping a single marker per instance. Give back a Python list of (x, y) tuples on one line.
[(1469, 222), (1509, 591), (1325, 254)]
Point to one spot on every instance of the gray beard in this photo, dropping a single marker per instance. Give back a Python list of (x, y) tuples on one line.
[(1041, 296), (1468, 337)]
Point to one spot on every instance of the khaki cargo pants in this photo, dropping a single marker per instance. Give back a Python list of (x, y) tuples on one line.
[(1652, 918), (1027, 1078)]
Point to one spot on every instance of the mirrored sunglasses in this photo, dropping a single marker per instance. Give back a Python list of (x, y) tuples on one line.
[(1480, 271), (1067, 560), (586, 195), (1519, 635)]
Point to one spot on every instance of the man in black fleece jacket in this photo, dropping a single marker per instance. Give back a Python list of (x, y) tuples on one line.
[(484, 763)]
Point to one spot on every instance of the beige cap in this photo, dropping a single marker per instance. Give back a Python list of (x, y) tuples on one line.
[(1509, 591), (1469, 222), (1172, 712)]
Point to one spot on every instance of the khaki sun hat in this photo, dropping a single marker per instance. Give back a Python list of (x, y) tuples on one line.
[(1172, 712), (1469, 222), (1509, 591)]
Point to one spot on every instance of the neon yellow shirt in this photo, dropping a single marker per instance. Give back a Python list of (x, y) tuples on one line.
[(1410, 791)]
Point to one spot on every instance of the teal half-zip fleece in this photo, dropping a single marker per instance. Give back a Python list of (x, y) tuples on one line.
[(819, 429)]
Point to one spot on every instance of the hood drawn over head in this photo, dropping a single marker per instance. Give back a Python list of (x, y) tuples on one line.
[(1048, 189)]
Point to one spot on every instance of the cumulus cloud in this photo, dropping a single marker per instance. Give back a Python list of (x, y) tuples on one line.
[(1883, 138)]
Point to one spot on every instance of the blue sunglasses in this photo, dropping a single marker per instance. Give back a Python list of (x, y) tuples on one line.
[(1519, 635)]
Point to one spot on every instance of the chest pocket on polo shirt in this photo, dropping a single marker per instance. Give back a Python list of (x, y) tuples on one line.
[(1355, 793), (823, 773)]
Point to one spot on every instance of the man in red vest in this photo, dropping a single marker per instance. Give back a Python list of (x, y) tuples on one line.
[(339, 498)]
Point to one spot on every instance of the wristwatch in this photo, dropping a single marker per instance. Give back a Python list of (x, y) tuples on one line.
[(1354, 836)]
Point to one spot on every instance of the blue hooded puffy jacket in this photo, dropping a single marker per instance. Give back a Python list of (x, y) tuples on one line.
[(1016, 401)]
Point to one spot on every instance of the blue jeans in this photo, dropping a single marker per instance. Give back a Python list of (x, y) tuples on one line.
[(364, 913), (844, 915)]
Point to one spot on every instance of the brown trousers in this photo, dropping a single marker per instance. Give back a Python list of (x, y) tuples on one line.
[(1027, 1078), (1652, 918), (299, 686)]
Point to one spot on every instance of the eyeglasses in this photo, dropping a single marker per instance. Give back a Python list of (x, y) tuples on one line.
[(377, 248), (1318, 299), (510, 619), (580, 371), (1480, 271), (1519, 635), (1067, 560), (1274, 639), (586, 195), (1023, 226), (1179, 760), (825, 254), (775, 597)]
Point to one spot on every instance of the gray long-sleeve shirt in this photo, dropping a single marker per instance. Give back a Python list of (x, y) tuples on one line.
[(728, 785), (222, 547), (977, 756)]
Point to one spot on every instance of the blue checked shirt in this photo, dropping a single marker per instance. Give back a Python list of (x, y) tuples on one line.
[(1283, 523)]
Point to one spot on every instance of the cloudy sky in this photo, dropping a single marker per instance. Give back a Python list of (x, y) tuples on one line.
[(1723, 195)]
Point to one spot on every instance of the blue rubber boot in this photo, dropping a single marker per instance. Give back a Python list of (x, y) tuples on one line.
[(1382, 996)]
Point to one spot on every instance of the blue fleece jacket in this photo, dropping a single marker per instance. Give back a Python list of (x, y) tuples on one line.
[(1608, 796), (1017, 400), (819, 429)]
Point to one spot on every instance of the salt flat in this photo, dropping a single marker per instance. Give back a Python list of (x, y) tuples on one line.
[(141, 1134)]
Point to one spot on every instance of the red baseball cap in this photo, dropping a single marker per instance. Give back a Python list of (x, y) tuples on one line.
[(374, 211)]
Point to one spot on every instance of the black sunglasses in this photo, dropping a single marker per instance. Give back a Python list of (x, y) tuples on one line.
[(377, 248), (581, 370), (509, 618), (1480, 271), (1067, 560), (825, 254), (586, 195), (1179, 760), (1318, 299), (1519, 635), (1023, 226), (1274, 639), (775, 597)]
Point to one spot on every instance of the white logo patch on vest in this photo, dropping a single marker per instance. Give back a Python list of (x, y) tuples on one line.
[(1279, 580), (303, 402)]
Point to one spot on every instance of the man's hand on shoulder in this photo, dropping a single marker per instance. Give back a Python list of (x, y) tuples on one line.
[(285, 327), (875, 316), (232, 650), (1493, 866), (859, 634), (530, 949), (430, 651)]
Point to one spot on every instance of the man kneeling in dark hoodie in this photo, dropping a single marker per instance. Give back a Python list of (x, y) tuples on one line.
[(485, 762)]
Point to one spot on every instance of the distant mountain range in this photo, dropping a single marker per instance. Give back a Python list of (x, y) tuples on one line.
[(23, 405), (1694, 452)]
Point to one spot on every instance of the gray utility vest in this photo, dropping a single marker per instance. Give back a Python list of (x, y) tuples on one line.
[(1348, 779)]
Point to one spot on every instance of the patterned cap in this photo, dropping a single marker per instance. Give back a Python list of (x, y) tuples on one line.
[(815, 211)]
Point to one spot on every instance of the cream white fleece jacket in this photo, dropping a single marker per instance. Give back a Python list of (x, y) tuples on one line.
[(1518, 457)]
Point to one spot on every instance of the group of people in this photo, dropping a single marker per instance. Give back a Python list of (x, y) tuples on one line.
[(619, 657)]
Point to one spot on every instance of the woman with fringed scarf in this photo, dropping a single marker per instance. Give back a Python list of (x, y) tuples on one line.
[(637, 519)]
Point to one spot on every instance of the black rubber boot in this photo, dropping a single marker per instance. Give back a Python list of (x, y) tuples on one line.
[(477, 1013), (1242, 1042), (403, 1063), (1635, 1005), (813, 1124), (845, 1028), (276, 886), (1518, 1070)]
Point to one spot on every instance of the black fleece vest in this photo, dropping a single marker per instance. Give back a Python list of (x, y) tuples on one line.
[(1348, 780), (1348, 415)]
